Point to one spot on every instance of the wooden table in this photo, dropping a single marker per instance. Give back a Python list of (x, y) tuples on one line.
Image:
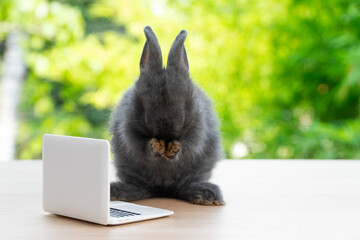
[(265, 199)]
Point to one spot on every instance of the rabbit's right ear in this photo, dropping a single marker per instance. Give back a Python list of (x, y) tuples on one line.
[(151, 57)]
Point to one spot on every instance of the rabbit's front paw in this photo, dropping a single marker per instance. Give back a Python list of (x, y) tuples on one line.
[(159, 148), (172, 148)]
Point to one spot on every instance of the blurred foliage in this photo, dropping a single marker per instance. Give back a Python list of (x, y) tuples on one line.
[(284, 76)]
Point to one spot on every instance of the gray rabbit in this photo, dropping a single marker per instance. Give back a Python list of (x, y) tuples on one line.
[(165, 138)]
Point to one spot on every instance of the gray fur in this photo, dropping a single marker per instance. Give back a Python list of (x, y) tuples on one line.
[(165, 105)]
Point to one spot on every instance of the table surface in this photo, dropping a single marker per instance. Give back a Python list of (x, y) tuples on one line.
[(265, 199)]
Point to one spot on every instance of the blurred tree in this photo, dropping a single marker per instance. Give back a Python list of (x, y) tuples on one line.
[(284, 76), (316, 53), (12, 77)]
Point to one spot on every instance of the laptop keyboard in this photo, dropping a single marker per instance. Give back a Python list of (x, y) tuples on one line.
[(117, 213)]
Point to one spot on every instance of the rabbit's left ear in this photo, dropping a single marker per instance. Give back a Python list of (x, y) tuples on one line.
[(177, 58)]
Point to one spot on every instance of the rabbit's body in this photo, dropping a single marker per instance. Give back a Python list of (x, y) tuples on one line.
[(165, 138)]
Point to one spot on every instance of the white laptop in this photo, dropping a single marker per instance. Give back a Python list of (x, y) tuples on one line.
[(76, 183)]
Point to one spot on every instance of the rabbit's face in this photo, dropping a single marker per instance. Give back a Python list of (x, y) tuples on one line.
[(164, 93), (164, 99)]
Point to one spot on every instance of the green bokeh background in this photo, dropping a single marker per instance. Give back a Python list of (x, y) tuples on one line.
[(284, 76)]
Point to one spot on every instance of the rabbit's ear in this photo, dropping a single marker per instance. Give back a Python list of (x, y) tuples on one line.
[(177, 58), (151, 57)]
